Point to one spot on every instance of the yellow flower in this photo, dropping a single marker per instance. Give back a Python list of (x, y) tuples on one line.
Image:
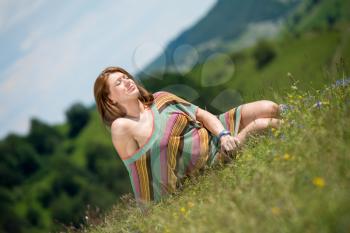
[(183, 210), (190, 204), (275, 210), (286, 156), (319, 182)]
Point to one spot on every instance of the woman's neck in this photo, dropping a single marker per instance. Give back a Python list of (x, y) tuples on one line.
[(134, 108)]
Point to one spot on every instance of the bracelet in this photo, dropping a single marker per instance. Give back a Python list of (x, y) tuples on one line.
[(224, 132)]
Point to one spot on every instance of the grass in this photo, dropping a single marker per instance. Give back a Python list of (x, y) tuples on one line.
[(294, 179), (311, 58)]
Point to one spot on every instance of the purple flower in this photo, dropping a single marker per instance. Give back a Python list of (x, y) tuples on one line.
[(284, 108), (318, 104), (341, 82)]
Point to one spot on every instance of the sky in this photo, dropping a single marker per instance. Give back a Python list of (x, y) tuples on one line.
[(52, 51)]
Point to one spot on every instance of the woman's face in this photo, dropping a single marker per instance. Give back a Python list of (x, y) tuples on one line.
[(121, 88)]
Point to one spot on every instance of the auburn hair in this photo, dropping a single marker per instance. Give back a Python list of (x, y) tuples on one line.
[(108, 110)]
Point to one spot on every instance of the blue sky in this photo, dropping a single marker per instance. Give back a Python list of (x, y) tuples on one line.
[(52, 51)]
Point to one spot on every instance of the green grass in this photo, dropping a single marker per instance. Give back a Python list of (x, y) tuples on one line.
[(251, 201), (294, 179), (311, 58)]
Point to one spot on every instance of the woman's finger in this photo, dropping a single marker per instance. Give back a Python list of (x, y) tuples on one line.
[(237, 141), (229, 145)]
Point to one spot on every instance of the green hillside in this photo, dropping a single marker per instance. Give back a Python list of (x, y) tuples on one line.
[(54, 179), (314, 58), (318, 15), (291, 180), (294, 179)]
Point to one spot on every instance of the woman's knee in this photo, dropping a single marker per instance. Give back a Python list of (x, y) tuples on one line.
[(270, 108)]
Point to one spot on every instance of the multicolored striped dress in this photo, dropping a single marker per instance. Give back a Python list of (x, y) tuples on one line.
[(178, 147)]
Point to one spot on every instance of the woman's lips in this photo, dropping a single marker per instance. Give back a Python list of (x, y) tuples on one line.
[(131, 88)]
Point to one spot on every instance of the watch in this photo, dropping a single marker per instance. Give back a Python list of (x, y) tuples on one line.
[(224, 132)]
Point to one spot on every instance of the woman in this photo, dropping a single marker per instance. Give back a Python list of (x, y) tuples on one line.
[(162, 138)]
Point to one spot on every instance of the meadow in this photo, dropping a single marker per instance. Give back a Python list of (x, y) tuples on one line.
[(293, 179)]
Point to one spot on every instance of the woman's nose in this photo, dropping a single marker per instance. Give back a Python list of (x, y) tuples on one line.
[(127, 82)]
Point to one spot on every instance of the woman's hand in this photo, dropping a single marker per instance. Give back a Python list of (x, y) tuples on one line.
[(229, 143)]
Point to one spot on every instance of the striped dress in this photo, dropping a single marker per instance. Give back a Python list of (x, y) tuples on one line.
[(179, 146)]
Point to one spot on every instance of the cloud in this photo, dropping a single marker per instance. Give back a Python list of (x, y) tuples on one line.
[(13, 12), (62, 55), (48, 74)]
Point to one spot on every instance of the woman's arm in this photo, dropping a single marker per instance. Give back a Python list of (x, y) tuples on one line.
[(214, 125), (211, 122), (122, 138)]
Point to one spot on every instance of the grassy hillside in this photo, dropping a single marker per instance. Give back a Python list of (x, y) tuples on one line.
[(294, 179), (86, 169), (313, 58), (318, 15)]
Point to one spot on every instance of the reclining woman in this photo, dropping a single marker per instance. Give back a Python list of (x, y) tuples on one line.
[(162, 138)]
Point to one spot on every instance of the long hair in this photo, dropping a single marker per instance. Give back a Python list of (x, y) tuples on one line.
[(108, 110)]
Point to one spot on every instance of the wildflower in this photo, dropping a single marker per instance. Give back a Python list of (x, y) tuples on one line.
[(342, 82), (190, 204), (284, 108), (275, 210), (319, 182), (286, 156), (317, 104), (183, 210)]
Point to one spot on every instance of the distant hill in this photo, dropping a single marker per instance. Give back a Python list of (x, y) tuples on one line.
[(225, 22)]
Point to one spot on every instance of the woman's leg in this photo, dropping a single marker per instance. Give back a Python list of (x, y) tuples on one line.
[(258, 109), (256, 116), (256, 126)]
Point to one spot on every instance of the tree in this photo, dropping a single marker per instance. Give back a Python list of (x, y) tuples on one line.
[(43, 137), (19, 160), (102, 162), (77, 116), (263, 54)]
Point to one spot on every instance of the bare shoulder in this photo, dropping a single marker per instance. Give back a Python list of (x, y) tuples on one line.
[(122, 138), (120, 126)]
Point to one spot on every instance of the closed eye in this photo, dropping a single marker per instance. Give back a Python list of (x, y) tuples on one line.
[(119, 80)]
